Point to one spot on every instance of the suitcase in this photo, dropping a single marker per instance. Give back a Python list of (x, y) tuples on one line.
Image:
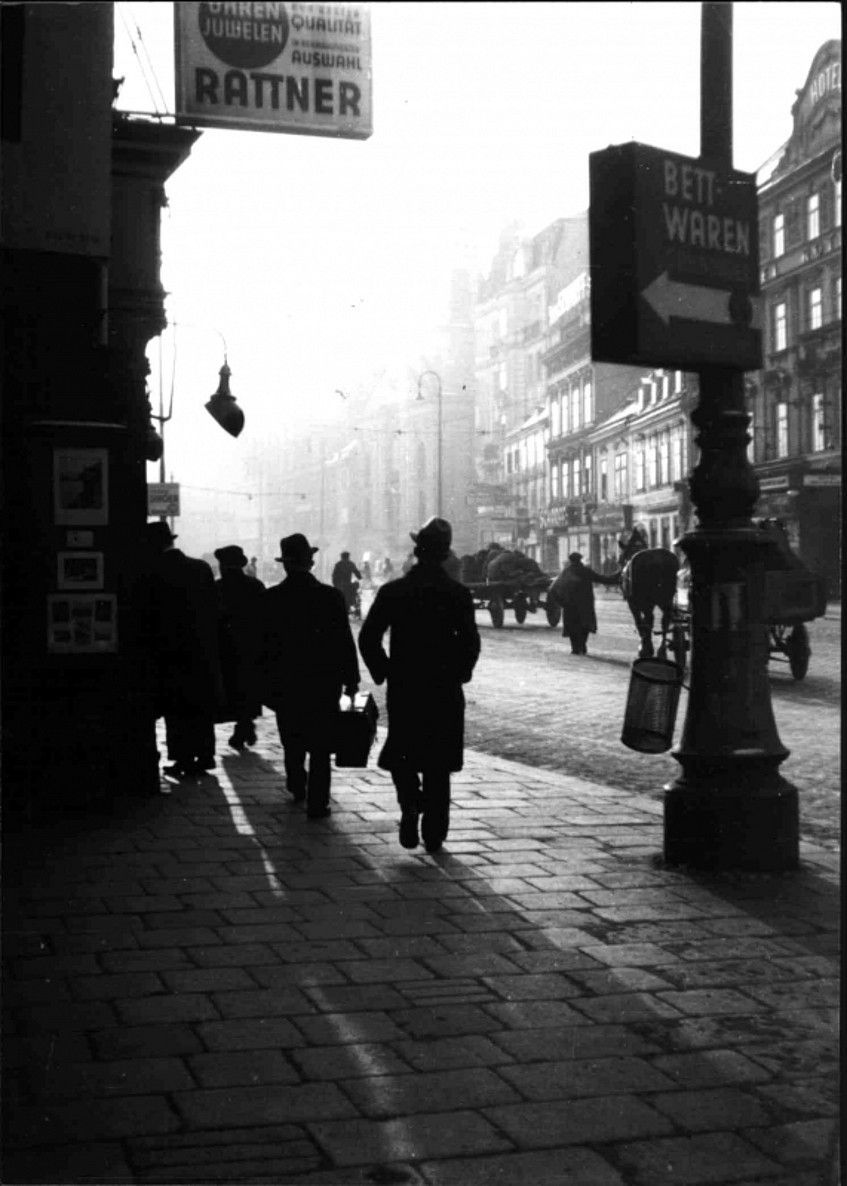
[(355, 729)]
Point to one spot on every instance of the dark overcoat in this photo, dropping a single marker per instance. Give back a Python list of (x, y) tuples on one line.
[(573, 590), (180, 629), (308, 654), (434, 646), (240, 600)]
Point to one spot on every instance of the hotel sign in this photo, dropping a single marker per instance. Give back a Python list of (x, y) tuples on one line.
[(274, 67), (674, 261)]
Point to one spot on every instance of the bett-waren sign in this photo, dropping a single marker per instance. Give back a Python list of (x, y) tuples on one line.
[(303, 68)]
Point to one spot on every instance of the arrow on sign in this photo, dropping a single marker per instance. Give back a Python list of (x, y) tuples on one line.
[(694, 302)]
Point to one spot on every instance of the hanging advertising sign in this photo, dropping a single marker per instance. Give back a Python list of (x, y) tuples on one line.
[(298, 68)]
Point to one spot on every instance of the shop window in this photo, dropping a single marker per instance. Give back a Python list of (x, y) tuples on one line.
[(815, 308), (813, 216), (780, 326), (781, 426), (819, 428), (779, 234)]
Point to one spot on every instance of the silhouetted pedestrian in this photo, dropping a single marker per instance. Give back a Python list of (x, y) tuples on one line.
[(573, 590), (309, 658), (181, 634), (239, 630), (434, 646), (345, 578)]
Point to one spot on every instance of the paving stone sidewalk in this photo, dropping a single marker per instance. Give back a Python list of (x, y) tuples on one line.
[(207, 987)]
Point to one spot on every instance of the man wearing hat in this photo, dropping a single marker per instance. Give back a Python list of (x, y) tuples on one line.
[(179, 628), (345, 577), (239, 611), (434, 646), (573, 590), (309, 658)]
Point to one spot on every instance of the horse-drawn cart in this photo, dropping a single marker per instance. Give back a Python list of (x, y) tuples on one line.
[(522, 595), (793, 595)]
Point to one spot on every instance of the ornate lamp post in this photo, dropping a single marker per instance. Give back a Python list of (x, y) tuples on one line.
[(730, 807)]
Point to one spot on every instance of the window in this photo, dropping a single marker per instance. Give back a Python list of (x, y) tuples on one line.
[(837, 299), (587, 472), (554, 481), (664, 458), (677, 386), (652, 462), (566, 420), (779, 234), (751, 445), (604, 478), (815, 308), (574, 409), (676, 453), (813, 216), (621, 475), (780, 327), (781, 417), (587, 411), (566, 479), (639, 466), (838, 202), (819, 442), (555, 416)]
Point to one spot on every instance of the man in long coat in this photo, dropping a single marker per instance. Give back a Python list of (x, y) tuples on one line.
[(309, 658), (180, 631), (573, 590), (239, 627), (434, 646), (345, 576)]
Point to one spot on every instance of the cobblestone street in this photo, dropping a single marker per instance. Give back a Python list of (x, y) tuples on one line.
[(533, 701)]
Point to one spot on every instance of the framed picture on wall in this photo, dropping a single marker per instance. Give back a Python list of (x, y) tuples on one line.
[(81, 487), (80, 570)]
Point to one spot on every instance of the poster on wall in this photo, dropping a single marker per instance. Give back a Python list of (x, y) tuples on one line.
[(81, 487), (82, 623), (80, 570)]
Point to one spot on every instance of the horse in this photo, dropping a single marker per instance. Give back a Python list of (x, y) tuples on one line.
[(648, 583)]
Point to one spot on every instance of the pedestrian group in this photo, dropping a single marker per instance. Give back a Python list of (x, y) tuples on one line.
[(218, 650)]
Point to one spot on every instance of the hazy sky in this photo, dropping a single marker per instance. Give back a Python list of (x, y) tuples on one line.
[(322, 259)]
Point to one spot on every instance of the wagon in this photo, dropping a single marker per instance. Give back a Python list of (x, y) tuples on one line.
[(792, 596), (522, 595)]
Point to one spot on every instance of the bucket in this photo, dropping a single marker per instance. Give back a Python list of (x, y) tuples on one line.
[(651, 706)]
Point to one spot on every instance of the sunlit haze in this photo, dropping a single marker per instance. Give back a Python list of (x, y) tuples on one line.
[(324, 261)]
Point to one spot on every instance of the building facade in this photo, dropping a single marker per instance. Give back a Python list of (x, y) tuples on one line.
[(795, 401)]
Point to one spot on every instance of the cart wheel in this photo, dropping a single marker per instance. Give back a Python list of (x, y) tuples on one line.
[(520, 607), (798, 651), (554, 613), (497, 611)]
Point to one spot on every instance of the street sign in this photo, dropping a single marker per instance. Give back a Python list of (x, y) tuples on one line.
[(674, 261), (163, 499)]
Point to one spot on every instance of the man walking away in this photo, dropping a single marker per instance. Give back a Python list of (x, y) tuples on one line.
[(181, 629), (434, 646), (239, 609), (345, 575), (309, 658), (573, 590)]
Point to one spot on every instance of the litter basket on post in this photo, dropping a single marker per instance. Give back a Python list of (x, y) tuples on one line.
[(651, 706)]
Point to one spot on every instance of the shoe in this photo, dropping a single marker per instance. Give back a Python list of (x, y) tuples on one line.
[(250, 736), (409, 829), (433, 845), (237, 743), (297, 796), (175, 770), (319, 813)]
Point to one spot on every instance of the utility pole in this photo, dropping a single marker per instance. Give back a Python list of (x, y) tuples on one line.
[(730, 807)]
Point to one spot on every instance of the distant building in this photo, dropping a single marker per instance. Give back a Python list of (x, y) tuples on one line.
[(795, 400)]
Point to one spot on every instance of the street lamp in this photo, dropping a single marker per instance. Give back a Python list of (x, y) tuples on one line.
[(439, 443)]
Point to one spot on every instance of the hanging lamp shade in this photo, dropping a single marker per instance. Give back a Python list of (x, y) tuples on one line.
[(222, 406)]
